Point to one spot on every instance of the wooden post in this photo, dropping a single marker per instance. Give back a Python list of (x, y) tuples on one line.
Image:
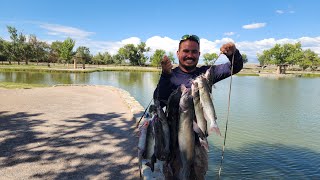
[(74, 63), (279, 69)]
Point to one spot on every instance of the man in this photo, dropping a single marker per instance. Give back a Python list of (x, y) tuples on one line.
[(188, 55)]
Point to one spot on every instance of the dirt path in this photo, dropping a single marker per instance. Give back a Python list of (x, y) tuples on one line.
[(67, 132)]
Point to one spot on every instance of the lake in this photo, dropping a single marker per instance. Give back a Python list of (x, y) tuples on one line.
[(274, 124)]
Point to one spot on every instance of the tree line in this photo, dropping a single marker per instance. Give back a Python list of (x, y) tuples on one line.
[(290, 54), (22, 49), (31, 49)]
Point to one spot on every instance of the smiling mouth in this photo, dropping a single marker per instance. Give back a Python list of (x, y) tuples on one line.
[(189, 60)]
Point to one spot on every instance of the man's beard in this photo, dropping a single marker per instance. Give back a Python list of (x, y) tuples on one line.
[(189, 68)]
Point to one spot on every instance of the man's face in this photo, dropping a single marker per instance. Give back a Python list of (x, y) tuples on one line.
[(188, 55)]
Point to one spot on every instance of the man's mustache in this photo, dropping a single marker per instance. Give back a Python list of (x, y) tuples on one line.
[(193, 59)]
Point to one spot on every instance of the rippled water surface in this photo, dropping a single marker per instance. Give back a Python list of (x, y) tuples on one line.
[(274, 124)]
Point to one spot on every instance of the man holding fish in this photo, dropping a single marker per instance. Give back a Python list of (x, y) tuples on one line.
[(193, 103)]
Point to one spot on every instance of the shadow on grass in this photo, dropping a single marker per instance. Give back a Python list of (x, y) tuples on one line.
[(98, 146)]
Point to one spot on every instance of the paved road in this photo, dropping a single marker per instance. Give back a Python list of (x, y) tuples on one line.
[(67, 132)]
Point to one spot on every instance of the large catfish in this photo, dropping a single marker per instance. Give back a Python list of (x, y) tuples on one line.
[(142, 139), (201, 121), (173, 118), (207, 104), (172, 114), (158, 139), (165, 129), (207, 75), (186, 137)]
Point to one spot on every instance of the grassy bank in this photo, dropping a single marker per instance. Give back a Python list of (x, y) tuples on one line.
[(248, 70), (9, 85), (70, 69)]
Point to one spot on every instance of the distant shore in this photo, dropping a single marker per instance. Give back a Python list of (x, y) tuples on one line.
[(248, 69)]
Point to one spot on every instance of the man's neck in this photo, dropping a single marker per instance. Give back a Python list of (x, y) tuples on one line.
[(186, 70)]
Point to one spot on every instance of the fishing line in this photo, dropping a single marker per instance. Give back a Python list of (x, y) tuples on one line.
[(225, 133), (147, 109), (216, 59)]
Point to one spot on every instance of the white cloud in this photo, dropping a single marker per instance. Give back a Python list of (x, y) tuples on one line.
[(65, 31), (229, 33), (250, 48), (131, 40), (164, 43), (284, 11), (107, 46), (279, 11), (254, 26)]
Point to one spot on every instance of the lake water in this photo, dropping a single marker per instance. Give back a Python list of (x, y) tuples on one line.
[(274, 124)]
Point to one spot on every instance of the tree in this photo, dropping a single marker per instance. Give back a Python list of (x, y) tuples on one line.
[(244, 58), (118, 58), (25, 51), (171, 57), (107, 58), (3, 54), (66, 48), (97, 59), (54, 53), (18, 49), (39, 50), (142, 48), (135, 54), (156, 58), (282, 55), (12, 48), (82, 54), (208, 58), (309, 60)]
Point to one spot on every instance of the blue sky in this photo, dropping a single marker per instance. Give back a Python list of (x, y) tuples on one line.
[(107, 25)]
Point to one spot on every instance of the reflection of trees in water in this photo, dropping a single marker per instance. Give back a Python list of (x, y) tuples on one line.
[(25, 77), (9, 76), (22, 77), (81, 78), (61, 78), (155, 77), (117, 78), (46, 78), (130, 79)]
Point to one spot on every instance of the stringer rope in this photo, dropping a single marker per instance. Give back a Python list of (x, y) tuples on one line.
[(225, 133)]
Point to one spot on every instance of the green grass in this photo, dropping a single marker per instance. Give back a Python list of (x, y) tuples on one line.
[(10, 85), (248, 70), (62, 68), (129, 68), (310, 75), (247, 74)]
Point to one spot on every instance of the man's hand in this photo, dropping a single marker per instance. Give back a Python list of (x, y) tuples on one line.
[(228, 48), (166, 65)]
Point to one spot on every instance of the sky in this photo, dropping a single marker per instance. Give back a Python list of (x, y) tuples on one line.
[(105, 26)]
